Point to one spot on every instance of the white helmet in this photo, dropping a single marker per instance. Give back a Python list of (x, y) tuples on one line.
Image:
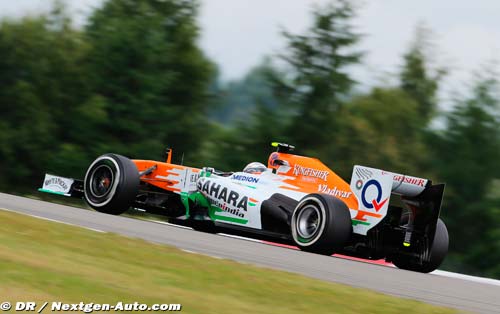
[(255, 167)]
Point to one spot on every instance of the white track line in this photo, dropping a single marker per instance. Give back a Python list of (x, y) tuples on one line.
[(222, 234), (209, 255), (489, 281), (189, 251), (240, 238), (53, 220), (438, 272), (169, 224)]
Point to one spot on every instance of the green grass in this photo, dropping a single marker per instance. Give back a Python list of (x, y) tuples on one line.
[(45, 261), (80, 203)]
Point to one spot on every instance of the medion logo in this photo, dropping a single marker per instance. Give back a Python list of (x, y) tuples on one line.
[(310, 172), (223, 194), (323, 188), (244, 178)]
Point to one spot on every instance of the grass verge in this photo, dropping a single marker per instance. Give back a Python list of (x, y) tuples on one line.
[(45, 261)]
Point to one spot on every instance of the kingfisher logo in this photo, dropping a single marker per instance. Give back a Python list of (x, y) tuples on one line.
[(410, 180), (377, 203), (310, 172)]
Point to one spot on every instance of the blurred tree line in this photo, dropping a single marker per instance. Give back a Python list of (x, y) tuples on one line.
[(134, 81)]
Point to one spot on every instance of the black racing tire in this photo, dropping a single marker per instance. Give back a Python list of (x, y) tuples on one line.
[(111, 184), (204, 226), (437, 252), (321, 224)]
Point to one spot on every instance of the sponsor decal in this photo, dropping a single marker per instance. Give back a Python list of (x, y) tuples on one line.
[(252, 201), (58, 182), (377, 202), (359, 184), (323, 188), (224, 206), (224, 198), (310, 172), (410, 180), (309, 179), (245, 178), (363, 173), (55, 184), (194, 177)]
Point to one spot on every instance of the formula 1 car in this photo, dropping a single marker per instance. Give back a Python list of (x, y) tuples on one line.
[(293, 200)]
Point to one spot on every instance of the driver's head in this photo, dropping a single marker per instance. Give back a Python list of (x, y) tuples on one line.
[(255, 167)]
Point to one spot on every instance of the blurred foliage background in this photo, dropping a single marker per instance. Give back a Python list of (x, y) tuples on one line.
[(134, 81)]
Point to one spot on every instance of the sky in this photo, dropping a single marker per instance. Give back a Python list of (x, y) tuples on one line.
[(238, 34)]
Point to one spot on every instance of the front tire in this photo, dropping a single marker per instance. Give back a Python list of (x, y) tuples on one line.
[(321, 224), (111, 184)]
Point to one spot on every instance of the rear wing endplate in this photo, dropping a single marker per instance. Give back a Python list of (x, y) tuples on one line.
[(374, 187)]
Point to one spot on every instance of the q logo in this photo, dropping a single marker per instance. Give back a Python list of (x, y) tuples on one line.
[(376, 202)]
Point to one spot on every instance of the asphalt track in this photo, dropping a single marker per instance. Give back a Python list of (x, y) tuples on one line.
[(464, 294)]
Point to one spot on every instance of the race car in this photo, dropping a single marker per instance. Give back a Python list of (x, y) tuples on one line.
[(292, 200)]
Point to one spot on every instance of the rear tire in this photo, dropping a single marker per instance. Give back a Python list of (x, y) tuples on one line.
[(321, 224), (111, 184), (437, 252)]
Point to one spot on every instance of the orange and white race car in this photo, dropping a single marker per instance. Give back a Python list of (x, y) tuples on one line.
[(293, 200)]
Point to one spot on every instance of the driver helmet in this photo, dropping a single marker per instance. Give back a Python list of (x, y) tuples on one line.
[(255, 167)]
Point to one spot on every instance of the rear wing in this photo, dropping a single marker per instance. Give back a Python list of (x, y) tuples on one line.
[(374, 188)]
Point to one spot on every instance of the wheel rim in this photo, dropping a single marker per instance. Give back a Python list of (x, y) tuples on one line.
[(101, 181), (308, 222), (95, 196)]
